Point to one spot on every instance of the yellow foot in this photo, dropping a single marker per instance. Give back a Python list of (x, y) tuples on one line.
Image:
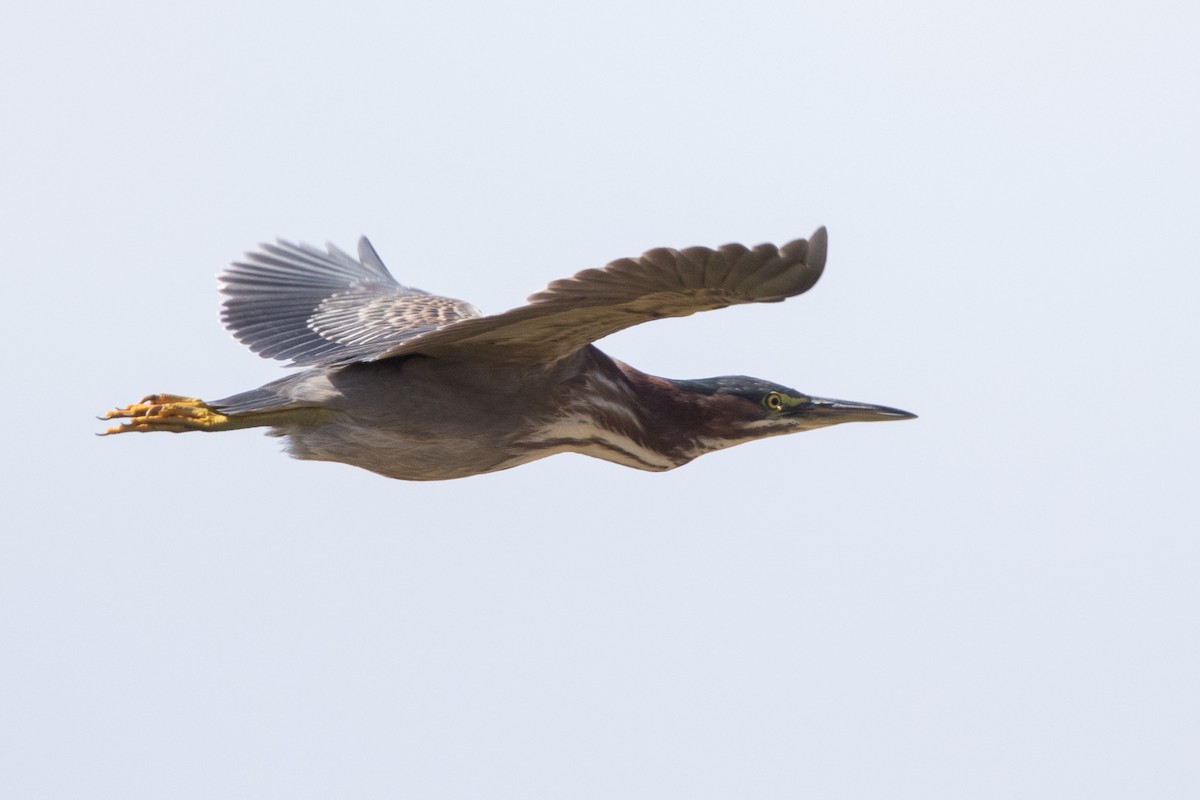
[(167, 412)]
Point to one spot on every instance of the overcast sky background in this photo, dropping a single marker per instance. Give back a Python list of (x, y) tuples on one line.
[(999, 600)]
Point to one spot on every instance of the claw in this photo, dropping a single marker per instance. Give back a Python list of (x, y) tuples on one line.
[(166, 412)]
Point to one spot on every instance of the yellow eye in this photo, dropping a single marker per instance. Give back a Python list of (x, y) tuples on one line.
[(774, 401)]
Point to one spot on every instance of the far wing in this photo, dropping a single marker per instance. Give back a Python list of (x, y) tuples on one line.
[(297, 303)]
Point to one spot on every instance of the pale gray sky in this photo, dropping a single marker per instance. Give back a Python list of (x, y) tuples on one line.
[(1000, 600)]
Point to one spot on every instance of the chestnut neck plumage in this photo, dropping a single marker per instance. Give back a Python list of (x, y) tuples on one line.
[(613, 411)]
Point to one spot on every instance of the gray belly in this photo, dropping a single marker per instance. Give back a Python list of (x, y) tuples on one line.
[(397, 453), (420, 419)]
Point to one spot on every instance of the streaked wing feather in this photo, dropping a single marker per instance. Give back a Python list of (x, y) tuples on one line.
[(354, 318)]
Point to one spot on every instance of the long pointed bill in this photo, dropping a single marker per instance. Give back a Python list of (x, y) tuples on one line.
[(832, 412)]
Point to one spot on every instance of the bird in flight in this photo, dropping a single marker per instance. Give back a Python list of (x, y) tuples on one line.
[(416, 386)]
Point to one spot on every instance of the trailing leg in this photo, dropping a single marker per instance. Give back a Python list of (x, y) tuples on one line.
[(179, 414)]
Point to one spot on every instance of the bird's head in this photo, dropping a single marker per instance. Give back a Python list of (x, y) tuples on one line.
[(738, 409)]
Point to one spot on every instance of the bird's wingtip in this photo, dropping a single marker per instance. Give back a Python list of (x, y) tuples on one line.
[(818, 247), (368, 256)]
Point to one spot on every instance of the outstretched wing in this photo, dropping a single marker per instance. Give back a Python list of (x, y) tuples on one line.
[(294, 302), (573, 312)]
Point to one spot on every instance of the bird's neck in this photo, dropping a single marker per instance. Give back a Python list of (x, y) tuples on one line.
[(649, 411), (607, 409)]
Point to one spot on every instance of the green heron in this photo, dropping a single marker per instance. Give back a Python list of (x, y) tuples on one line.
[(420, 387)]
